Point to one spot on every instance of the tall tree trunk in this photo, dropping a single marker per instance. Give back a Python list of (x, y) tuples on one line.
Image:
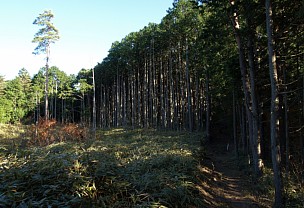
[(189, 100), (146, 99), (83, 117), (101, 107), (246, 88), (118, 97), (94, 105), (181, 90), (256, 142), (208, 107), (124, 99), (197, 123), (302, 129), (46, 111), (51, 103), (171, 92), (167, 97), (243, 129), (162, 96), (139, 97), (37, 108), (274, 109), (62, 110), (151, 87), (133, 102), (56, 91), (154, 103), (286, 128), (234, 124), (73, 112), (37, 113)]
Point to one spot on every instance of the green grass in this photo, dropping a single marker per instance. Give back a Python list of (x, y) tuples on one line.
[(121, 168)]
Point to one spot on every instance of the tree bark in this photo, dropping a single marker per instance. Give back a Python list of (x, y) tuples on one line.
[(286, 128), (208, 107), (188, 90), (62, 110), (302, 129), (94, 105), (256, 142), (83, 119), (100, 107), (234, 124), (274, 109), (243, 129), (55, 113), (253, 128), (46, 111)]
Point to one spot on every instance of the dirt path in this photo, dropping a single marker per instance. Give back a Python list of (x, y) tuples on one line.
[(224, 184)]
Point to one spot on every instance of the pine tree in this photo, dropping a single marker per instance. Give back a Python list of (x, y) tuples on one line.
[(47, 35)]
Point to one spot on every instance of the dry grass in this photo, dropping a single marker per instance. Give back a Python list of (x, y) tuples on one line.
[(121, 168), (11, 131)]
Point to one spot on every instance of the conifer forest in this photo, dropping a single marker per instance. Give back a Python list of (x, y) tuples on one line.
[(204, 109)]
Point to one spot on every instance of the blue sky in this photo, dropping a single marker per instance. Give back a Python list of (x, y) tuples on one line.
[(87, 29)]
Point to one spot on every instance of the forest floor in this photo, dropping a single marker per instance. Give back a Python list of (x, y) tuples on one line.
[(229, 183), (125, 168)]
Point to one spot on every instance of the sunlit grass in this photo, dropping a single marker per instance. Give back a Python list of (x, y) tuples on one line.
[(11, 131), (121, 168), (10, 138)]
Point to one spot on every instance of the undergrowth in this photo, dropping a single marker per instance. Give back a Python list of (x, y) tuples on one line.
[(121, 168), (293, 191), (47, 132)]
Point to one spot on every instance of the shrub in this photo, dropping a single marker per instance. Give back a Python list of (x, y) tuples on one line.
[(47, 132)]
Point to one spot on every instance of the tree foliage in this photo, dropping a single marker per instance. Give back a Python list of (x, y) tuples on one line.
[(47, 34)]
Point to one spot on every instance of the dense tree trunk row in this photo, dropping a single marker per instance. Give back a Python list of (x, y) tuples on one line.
[(157, 92)]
